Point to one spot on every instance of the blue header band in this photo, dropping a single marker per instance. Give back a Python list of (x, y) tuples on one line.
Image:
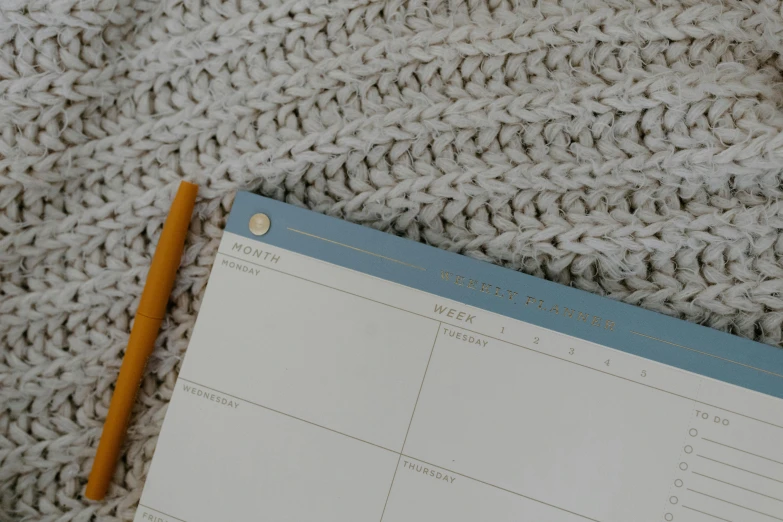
[(667, 340)]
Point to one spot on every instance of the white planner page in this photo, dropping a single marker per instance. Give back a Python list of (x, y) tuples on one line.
[(313, 392)]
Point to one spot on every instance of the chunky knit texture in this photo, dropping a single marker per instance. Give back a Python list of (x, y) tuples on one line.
[(632, 148)]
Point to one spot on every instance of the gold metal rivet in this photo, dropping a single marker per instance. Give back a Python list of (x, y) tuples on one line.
[(259, 224)]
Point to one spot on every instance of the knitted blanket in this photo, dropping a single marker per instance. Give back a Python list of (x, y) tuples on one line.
[(631, 148)]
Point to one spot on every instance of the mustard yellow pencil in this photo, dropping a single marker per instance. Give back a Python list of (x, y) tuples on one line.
[(152, 308)]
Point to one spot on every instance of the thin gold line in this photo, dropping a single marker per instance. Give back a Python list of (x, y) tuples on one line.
[(738, 505), (286, 415), (357, 249), (707, 354), (391, 486), (736, 486), (739, 468), (741, 450), (501, 488), (708, 514)]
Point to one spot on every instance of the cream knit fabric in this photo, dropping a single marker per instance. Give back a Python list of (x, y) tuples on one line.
[(631, 148)]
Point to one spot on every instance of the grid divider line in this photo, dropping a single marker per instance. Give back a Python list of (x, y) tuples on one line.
[(399, 453)]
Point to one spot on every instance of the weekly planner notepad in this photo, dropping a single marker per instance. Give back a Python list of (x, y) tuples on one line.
[(340, 374)]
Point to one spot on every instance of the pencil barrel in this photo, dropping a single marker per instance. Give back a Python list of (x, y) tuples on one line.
[(140, 344), (168, 253)]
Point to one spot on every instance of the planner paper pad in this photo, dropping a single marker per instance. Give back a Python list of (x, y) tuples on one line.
[(341, 374)]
